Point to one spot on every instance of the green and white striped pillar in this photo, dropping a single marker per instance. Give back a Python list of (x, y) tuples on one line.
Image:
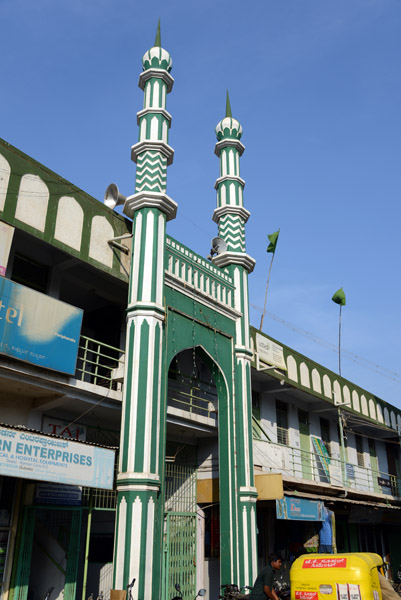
[(231, 216), (140, 503)]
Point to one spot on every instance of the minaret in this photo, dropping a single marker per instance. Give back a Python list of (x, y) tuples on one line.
[(138, 540), (231, 216)]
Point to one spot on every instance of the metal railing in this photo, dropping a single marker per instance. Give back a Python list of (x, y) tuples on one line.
[(313, 466), (100, 364), (194, 396)]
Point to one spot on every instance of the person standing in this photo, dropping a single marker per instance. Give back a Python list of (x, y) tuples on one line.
[(263, 586)]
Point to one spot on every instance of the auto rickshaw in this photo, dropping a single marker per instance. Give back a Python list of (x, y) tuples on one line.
[(351, 576)]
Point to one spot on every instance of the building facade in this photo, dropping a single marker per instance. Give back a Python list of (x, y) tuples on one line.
[(225, 444)]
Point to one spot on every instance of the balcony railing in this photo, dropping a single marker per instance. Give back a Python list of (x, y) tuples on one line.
[(311, 466), (192, 395), (100, 364), (198, 274)]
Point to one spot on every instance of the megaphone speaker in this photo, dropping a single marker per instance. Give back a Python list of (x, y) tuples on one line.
[(112, 196)]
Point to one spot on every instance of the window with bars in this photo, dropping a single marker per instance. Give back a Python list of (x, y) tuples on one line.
[(325, 434), (359, 451), (282, 423)]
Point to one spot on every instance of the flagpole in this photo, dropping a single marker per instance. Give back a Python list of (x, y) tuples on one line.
[(339, 298), (267, 287), (339, 344)]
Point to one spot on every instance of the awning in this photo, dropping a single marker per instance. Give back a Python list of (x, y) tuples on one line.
[(346, 499)]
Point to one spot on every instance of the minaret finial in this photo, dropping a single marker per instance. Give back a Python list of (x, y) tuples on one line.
[(158, 41), (228, 106)]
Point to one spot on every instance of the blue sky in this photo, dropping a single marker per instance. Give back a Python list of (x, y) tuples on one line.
[(316, 86)]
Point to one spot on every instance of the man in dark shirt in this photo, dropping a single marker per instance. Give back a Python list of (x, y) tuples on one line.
[(263, 586)]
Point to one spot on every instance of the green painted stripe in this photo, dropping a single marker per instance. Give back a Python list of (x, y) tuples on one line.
[(142, 383), (158, 270), (241, 271), (241, 539), (151, 91), (158, 378), (226, 519), (146, 92), (142, 236), (249, 391), (127, 402), (226, 160), (239, 419), (116, 540), (129, 543), (163, 85)]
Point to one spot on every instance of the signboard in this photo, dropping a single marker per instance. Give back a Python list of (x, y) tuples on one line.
[(306, 595), (350, 471), (299, 509), (270, 352), (64, 429), (57, 493), (322, 456), (336, 475), (324, 563), (383, 482), (35, 456), (37, 328), (6, 238)]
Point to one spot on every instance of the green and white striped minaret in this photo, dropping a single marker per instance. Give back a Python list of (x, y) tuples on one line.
[(231, 216), (138, 541)]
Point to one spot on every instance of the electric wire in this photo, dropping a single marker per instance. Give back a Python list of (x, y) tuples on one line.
[(92, 407), (356, 358)]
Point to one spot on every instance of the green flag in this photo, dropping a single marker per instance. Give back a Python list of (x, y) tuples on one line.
[(273, 237), (339, 297)]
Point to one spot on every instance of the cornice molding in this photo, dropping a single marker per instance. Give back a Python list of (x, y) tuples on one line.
[(158, 74), (152, 146), (229, 142), (231, 210), (157, 111), (234, 258), (229, 178), (146, 199), (147, 310)]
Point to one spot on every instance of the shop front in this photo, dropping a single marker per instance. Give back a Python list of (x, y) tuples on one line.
[(302, 523), (370, 528), (48, 488), (289, 524)]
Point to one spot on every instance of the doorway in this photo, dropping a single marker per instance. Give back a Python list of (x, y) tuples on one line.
[(49, 553)]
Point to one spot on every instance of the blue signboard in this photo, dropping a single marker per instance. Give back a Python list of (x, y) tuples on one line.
[(39, 457), (37, 328), (350, 471), (58, 493), (299, 509)]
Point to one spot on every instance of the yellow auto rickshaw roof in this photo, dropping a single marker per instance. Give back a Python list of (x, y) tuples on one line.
[(364, 561)]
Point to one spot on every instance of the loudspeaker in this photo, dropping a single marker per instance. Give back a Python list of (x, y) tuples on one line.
[(112, 196)]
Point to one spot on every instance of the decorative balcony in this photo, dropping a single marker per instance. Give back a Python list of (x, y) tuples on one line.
[(194, 274)]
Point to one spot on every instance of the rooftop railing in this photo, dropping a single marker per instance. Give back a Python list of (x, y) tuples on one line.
[(198, 275)]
